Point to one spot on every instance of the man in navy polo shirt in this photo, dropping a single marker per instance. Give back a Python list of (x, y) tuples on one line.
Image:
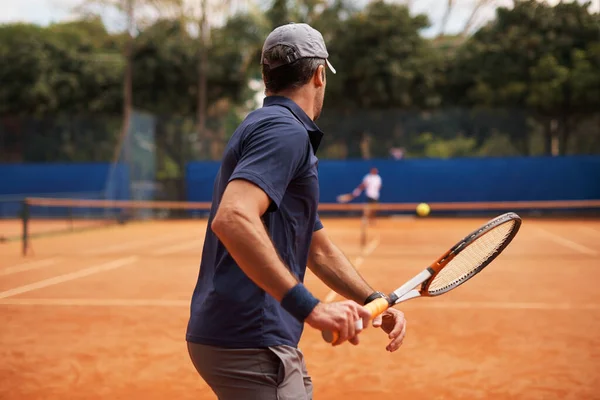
[(249, 306)]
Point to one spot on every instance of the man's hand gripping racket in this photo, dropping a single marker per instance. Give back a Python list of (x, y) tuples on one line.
[(463, 261)]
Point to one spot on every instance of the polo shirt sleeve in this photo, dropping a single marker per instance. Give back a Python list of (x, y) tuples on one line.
[(318, 224), (270, 158)]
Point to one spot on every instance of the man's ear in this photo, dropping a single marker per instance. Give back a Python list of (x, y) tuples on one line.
[(319, 77)]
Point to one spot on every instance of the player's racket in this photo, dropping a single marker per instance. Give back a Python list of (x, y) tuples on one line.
[(345, 198), (459, 264)]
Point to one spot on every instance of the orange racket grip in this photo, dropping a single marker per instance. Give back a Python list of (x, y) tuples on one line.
[(375, 307)]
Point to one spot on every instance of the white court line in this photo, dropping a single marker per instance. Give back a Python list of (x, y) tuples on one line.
[(131, 244), (98, 302), (591, 231), (357, 263), (502, 305), (448, 305), (178, 247), (28, 266), (69, 277), (567, 243)]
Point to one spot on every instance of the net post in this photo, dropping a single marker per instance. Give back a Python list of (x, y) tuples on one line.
[(25, 220)]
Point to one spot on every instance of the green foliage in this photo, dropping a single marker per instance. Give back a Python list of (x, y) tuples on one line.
[(280, 13), (64, 68), (165, 69), (528, 79), (548, 78), (427, 145), (535, 56), (497, 145), (382, 60), (234, 56)]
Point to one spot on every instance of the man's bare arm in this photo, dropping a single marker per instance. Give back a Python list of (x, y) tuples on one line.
[(239, 226), (328, 262)]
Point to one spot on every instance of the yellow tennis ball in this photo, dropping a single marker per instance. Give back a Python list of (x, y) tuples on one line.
[(423, 210)]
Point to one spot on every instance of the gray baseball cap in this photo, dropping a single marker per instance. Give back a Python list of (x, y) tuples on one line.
[(303, 40)]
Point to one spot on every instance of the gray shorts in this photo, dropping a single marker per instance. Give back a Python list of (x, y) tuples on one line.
[(274, 373)]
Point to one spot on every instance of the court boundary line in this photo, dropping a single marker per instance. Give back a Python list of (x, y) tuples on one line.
[(106, 266), (504, 305), (109, 302), (567, 242), (593, 231), (174, 248), (358, 262), (132, 244), (28, 266), (456, 305)]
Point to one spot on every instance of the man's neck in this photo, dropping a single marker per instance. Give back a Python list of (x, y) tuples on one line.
[(302, 98)]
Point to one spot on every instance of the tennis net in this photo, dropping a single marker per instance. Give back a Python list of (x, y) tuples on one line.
[(48, 216)]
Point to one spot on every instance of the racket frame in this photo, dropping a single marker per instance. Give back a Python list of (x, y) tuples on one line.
[(424, 278), (345, 198), (441, 262)]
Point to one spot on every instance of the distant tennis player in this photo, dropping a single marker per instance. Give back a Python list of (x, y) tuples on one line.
[(249, 305), (371, 184)]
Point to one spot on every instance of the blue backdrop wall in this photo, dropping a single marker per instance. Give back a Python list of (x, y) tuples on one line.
[(199, 180), (85, 180), (453, 180), (17, 179), (429, 180)]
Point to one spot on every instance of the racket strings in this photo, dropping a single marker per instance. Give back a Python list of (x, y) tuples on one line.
[(466, 263)]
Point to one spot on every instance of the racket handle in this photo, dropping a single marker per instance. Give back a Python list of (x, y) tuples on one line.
[(375, 307)]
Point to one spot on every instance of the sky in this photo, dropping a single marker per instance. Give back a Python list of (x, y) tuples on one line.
[(44, 12)]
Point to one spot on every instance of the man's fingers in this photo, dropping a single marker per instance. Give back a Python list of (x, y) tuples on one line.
[(397, 342), (356, 315), (351, 321), (363, 313), (400, 322), (377, 321), (343, 334), (403, 333)]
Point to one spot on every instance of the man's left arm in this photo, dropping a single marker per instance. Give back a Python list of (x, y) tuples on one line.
[(330, 265)]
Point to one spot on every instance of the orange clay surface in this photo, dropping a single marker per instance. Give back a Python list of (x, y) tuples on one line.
[(101, 314)]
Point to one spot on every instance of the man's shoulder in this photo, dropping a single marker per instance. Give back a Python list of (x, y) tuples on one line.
[(267, 117), (265, 122)]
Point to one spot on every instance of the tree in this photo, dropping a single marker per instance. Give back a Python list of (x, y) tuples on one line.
[(54, 79), (383, 61), (533, 57), (72, 67), (164, 65)]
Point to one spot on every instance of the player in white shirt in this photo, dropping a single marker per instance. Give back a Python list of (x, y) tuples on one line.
[(371, 184)]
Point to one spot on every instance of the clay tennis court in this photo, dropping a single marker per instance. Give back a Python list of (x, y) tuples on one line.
[(101, 314)]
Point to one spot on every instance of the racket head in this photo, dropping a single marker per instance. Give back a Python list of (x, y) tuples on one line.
[(345, 198), (471, 255)]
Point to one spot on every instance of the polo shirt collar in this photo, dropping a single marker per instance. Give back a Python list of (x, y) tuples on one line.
[(314, 133)]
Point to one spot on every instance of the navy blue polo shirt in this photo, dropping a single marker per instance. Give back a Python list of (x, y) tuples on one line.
[(274, 148)]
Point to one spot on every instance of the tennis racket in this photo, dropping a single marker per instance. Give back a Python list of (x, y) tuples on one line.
[(459, 264), (345, 198)]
